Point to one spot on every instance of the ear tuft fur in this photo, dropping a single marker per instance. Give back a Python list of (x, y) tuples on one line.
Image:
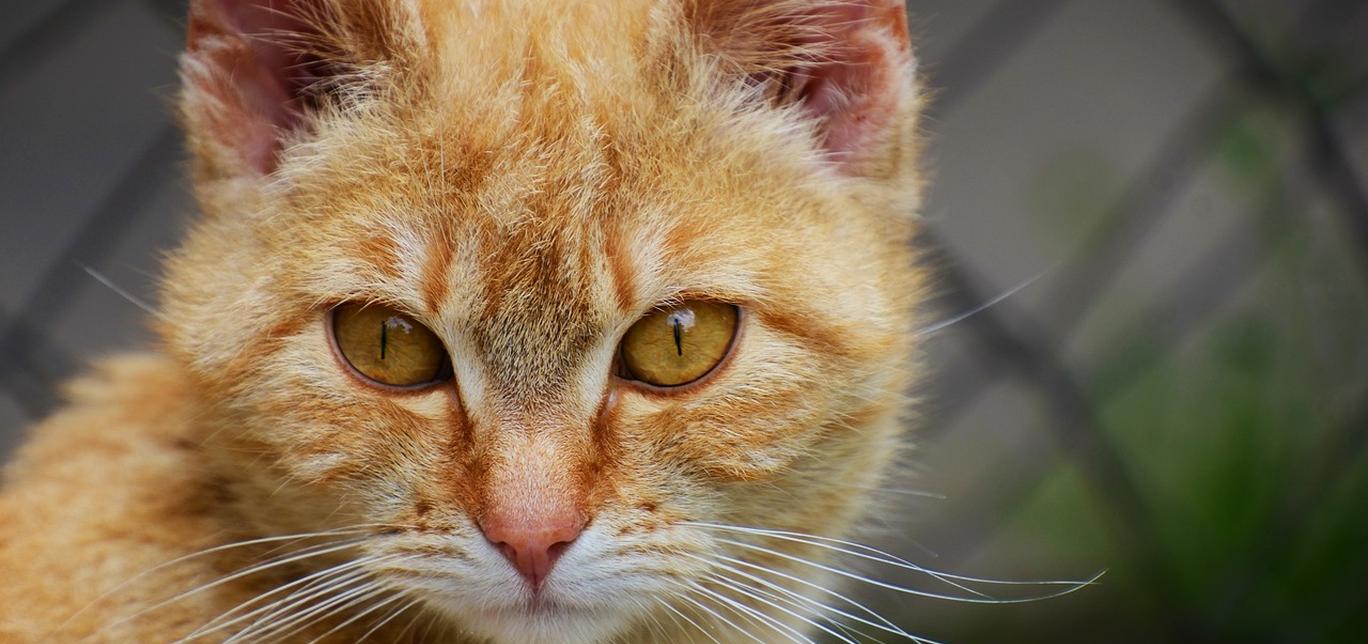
[(255, 70), (847, 64)]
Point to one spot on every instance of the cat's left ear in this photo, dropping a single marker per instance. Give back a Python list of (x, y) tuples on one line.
[(845, 64), (256, 73)]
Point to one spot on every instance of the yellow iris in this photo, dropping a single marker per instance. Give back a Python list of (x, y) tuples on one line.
[(387, 346), (680, 344)]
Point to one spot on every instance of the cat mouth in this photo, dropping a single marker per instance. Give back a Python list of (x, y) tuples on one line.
[(540, 621), (541, 607)]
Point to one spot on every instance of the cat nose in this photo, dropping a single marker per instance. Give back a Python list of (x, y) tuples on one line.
[(533, 541)]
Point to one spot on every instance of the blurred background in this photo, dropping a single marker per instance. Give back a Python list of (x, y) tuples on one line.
[(1180, 399)]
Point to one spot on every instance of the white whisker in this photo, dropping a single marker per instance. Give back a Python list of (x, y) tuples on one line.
[(889, 490), (752, 614), (884, 624), (427, 630), (355, 529), (737, 587), (676, 612), (806, 604), (349, 586), (367, 590), (874, 554), (412, 622), (825, 542), (883, 556), (389, 618), (931, 329), (354, 618), (223, 580), (894, 587), (720, 618), (654, 625), (334, 574), (276, 624), (118, 290)]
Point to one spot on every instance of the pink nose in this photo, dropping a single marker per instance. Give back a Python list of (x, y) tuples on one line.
[(533, 543)]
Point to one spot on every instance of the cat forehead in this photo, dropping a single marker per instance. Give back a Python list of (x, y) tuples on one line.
[(513, 270), (490, 39), (551, 133), (583, 216)]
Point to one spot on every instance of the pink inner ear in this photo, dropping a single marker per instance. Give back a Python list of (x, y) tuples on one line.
[(855, 90), (253, 77)]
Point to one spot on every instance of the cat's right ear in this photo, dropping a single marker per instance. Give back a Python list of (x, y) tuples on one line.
[(256, 72), (845, 66)]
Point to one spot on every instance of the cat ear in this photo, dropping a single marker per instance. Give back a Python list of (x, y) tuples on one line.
[(847, 64), (254, 71)]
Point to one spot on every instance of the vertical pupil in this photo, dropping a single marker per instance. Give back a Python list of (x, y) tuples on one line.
[(678, 336), (384, 338)]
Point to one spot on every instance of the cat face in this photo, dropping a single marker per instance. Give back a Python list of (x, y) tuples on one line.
[(524, 186)]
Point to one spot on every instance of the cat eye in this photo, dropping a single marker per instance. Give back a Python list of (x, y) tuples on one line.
[(388, 347), (678, 345)]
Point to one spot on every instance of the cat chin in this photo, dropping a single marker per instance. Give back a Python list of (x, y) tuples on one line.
[(539, 625)]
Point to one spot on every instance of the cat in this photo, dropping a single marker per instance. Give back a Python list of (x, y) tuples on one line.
[(504, 321)]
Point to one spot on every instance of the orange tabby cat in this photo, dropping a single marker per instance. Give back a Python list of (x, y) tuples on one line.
[(509, 321)]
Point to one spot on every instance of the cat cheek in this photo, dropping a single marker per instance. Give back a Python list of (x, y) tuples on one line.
[(747, 446), (772, 404)]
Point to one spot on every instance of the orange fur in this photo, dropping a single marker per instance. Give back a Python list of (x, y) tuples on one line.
[(527, 179)]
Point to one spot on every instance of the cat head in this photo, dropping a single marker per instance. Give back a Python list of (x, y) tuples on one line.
[(534, 289)]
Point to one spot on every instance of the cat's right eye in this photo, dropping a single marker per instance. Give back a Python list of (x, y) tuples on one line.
[(388, 347)]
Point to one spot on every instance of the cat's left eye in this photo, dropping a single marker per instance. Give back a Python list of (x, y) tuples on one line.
[(387, 347), (678, 345)]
